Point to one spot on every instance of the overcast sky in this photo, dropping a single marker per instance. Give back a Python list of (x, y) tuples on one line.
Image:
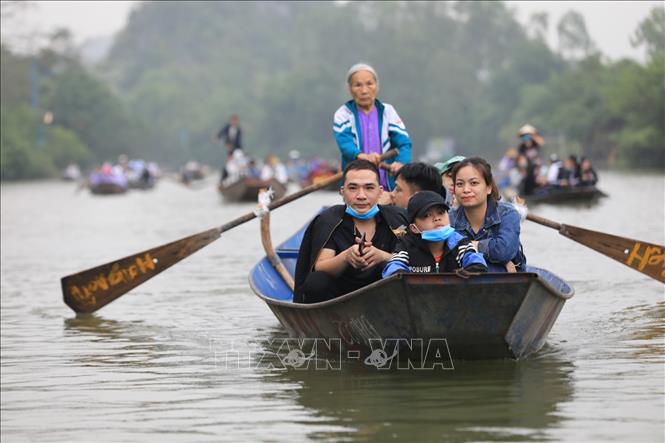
[(610, 24)]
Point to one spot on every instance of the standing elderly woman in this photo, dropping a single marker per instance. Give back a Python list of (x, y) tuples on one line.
[(364, 127), (494, 226)]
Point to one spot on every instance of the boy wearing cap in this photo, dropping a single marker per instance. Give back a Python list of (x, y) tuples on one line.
[(430, 244)]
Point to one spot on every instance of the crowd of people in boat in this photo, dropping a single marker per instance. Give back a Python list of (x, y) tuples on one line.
[(239, 165), (399, 216), (523, 170), (125, 174), (295, 170)]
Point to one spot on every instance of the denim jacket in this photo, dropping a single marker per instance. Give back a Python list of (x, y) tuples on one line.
[(498, 237)]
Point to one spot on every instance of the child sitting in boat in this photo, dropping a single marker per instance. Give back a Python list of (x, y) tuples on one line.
[(430, 244)]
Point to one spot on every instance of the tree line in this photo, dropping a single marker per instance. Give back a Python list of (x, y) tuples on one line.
[(467, 71)]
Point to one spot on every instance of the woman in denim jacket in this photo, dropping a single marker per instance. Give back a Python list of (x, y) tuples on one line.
[(493, 225)]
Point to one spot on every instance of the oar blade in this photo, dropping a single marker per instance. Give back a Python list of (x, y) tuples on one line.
[(93, 288), (644, 257)]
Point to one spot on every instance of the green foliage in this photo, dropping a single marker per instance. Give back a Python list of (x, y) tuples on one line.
[(14, 78), (461, 70), (531, 67), (616, 110), (281, 67), (90, 123), (65, 147), (85, 105), (573, 36), (19, 157), (651, 33), (31, 149), (636, 103)]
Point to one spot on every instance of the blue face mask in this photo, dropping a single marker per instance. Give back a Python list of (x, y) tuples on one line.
[(437, 235), (369, 214)]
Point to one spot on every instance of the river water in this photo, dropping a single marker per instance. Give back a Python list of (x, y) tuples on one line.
[(146, 367)]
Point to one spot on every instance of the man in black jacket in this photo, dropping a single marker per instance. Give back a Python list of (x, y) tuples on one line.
[(346, 246), (231, 135)]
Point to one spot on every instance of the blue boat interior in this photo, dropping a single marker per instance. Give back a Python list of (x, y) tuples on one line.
[(267, 282), (265, 278)]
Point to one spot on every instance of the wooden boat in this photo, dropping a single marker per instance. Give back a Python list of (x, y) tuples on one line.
[(139, 176), (565, 195), (332, 187), (247, 189), (107, 183), (486, 316), (107, 189)]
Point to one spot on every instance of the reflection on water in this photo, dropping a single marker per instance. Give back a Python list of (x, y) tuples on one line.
[(646, 339), (133, 343), (147, 367), (477, 401)]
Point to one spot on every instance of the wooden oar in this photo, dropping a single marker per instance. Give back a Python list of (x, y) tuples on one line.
[(272, 256), (647, 258), (89, 290)]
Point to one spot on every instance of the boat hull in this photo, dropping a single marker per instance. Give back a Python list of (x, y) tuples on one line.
[(493, 315), (490, 316), (566, 195), (108, 189), (247, 190)]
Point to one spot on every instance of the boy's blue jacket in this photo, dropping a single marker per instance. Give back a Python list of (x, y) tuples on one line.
[(412, 254), (393, 134)]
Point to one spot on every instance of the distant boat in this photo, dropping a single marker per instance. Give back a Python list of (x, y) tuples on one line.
[(193, 171), (494, 315), (247, 189), (105, 181), (72, 172), (139, 176), (557, 195), (333, 187)]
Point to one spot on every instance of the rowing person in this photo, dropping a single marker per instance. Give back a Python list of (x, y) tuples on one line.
[(346, 246), (364, 127)]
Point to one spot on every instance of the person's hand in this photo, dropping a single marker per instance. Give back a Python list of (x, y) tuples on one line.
[(395, 167), (386, 199), (373, 157), (353, 257), (373, 256), (510, 267), (475, 244)]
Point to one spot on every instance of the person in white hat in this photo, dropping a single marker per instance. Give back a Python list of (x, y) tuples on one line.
[(530, 143)]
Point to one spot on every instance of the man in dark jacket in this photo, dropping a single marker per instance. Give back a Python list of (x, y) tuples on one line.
[(231, 134), (346, 246)]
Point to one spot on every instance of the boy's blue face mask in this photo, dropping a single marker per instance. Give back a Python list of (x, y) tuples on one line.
[(438, 234), (526, 138), (366, 216)]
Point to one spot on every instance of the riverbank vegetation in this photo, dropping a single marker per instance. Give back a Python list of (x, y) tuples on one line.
[(465, 71)]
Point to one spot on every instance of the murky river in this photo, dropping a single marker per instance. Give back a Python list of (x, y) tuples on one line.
[(146, 367)]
